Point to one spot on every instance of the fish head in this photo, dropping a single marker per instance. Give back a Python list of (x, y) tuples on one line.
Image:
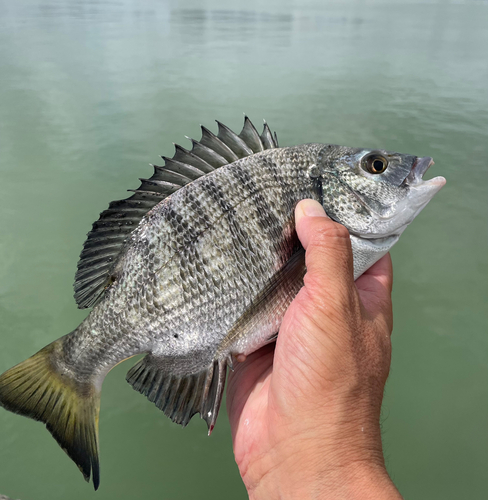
[(374, 193)]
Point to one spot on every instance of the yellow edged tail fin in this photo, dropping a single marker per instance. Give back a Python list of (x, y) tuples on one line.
[(38, 389)]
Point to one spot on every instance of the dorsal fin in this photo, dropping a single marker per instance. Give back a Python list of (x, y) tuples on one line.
[(106, 239)]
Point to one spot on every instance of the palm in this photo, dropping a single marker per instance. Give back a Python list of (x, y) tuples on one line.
[(247, 402), (254, 385)]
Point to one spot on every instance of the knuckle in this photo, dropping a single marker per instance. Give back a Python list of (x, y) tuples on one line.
[(330, 232), (321, 284), (324, 297), (310, 301)]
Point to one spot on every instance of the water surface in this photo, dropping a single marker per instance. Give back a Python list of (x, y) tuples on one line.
[(91, 92)]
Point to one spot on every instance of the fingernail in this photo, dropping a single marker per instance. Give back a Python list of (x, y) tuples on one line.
[(311, 208)]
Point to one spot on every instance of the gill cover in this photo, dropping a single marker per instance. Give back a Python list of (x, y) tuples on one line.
[(372, 201)]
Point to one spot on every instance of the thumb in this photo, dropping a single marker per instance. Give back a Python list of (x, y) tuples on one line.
[(314, 344), (328, 247)]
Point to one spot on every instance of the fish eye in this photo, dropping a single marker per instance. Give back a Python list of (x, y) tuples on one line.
[(375, 164)]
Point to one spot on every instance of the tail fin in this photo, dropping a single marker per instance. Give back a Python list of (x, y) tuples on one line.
[(38, 389)]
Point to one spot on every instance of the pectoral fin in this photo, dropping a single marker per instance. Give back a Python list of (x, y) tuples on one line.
[(267, 308)]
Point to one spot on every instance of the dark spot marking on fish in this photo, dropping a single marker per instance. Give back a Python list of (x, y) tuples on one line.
[(266, 218), (176, 336), (218, 196), (185, 232), (205, 186), (228, 210), (275, 171), (320, 189), (111, 280), (196, 206), (198, 221), (288, 192)]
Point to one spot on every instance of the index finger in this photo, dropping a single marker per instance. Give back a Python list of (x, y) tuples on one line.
[(375, 287)]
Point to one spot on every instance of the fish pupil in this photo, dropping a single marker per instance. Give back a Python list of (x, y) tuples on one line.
[(378, 166)]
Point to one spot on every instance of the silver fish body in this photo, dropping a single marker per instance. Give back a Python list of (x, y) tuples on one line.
[(207, 274), (196, 263)]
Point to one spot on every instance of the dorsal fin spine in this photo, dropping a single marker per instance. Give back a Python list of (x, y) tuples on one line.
[(267, 137), (106, 239), (250, 136), (209, 155), (150, 195), (177, 166), (95, 252), (96, 259), (239, 147), (93, 273), (163, 173), (185, 156), (101, 250), (210, 140)]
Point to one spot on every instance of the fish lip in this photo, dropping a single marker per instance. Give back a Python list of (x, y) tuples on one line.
[(376, 239), (419, 167)]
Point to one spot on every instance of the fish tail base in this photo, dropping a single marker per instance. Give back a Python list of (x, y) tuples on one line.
[(38, 388)]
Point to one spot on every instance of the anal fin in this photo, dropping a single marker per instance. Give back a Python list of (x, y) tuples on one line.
[(180, 395)]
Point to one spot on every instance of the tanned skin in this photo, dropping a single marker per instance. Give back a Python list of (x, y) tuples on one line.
[(305, 412)]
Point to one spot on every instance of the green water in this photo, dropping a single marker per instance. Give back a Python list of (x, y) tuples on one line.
[(91, 92)]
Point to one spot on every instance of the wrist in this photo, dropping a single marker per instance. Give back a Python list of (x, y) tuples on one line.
[(308, 467), (299, 480)]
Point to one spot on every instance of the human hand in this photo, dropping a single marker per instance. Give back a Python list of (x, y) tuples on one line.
[(305, 413)]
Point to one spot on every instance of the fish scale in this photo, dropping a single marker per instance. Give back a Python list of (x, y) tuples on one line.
[(197, 267)]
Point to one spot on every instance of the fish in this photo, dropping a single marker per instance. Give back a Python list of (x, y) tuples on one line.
[(196, 269)]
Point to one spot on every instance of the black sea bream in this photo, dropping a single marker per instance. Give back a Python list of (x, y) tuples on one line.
[(199, 266)]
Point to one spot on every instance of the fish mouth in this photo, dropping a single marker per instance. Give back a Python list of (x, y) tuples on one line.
[(419, 167), (419, 193)]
